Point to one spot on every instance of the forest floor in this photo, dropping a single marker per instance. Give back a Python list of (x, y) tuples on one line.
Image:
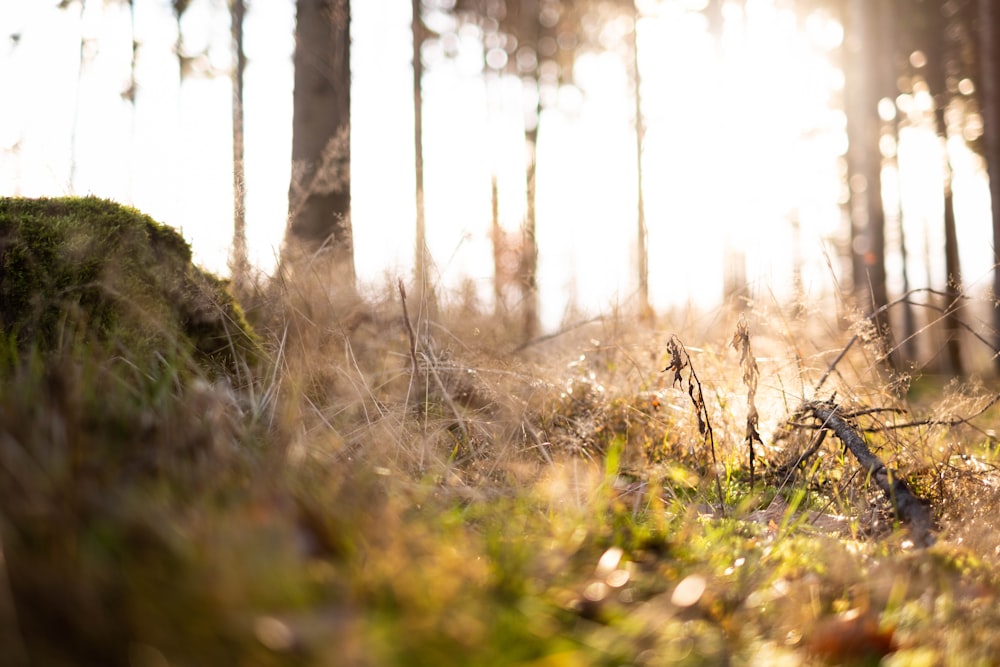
[(378, 493)]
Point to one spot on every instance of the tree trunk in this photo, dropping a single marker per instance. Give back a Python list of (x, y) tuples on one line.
[(239, 264), (497, 236), (320, 190), (937, 51), (954, 287), (863, 64), (529, 246), (645, 311), (989, 58), (422, 255), (530, 31)]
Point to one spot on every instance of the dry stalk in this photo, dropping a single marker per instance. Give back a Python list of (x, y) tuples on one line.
[(741, 343), (679, 360)]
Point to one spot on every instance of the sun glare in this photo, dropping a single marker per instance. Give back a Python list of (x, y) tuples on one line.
[(742, 154)]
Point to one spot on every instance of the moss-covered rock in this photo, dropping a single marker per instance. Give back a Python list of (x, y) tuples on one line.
[(90, 271)]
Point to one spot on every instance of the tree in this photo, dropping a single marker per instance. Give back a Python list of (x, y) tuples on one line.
[(940, 65), (239, 263), (642, 251), (419, 32), (989, 86), (529, 27), (864, 74), (320, 191), (524, 28), (542, 39)]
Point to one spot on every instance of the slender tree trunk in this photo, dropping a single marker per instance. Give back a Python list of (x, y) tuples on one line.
[(239, 264), (501, 272), (497, 236), (937, 50), (645, 311), (422, 255), (320, 190), (954, 288), (530, 35), (529, 247), (900, 44), (989, 58), (909, 343)]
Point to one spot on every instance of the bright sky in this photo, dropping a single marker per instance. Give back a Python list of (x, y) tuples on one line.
[(742, 148)]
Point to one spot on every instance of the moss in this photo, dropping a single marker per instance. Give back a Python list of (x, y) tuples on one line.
[(88, 270)]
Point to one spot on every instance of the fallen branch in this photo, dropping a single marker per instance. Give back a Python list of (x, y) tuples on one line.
[(907, 507)]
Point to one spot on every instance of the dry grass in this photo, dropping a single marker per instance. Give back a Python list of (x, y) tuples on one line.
[(453, 497)]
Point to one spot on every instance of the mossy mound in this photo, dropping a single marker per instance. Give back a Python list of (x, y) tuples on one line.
[(93, 272)]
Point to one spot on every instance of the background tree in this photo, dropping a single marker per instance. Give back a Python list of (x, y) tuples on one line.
[(538, 41), (642, 249), (320, 191), (528, 24), (934, 58), (518, 39), (239, 265), (420, 34), (989, 86), (864, 74)]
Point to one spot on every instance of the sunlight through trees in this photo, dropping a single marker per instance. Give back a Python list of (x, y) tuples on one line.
[(694, 150)]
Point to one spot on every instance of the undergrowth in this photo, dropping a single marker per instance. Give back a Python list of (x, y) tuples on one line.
[(392, 490)]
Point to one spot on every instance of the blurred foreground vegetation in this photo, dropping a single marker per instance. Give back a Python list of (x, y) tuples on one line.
[(355, 496)]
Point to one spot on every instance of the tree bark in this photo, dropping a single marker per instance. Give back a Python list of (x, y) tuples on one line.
[(862, 93), (989, 58), (320, 191)]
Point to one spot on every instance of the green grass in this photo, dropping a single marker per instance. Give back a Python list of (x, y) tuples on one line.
[(557, 507)]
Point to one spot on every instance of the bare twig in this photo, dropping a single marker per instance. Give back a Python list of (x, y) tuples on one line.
[(409, 328), (833, 364), (906, 298), (547, 337), (786, 470), (953, 421)]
